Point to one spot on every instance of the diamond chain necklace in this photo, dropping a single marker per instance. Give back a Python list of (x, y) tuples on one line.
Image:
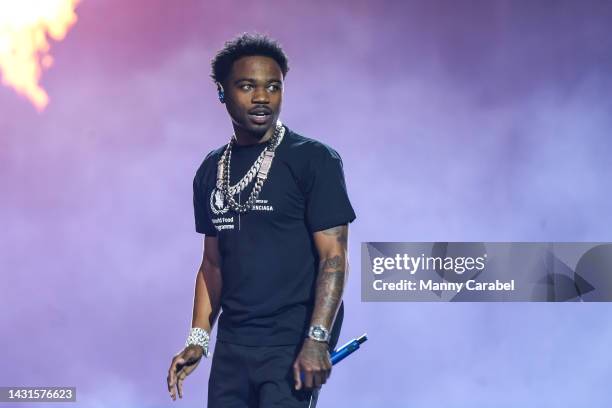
[(261, 167)]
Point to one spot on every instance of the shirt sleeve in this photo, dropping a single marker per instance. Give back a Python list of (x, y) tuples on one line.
[(327, 202), (203, 223)]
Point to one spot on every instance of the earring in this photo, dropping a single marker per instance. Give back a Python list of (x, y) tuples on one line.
[(221, 93)]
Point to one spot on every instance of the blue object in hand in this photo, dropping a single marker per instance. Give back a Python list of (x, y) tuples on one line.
[(341, 353)]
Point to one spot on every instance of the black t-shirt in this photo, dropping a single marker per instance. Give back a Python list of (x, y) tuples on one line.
[(269, 262)]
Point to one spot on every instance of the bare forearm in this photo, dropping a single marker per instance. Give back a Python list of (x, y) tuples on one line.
[(206, 303)]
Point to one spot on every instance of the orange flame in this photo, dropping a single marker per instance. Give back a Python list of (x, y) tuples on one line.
[(24, 47)]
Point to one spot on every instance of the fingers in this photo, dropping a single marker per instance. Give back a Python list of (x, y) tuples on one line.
[(327, 373), (312, 378), (315, 378), (179, 385), (319, 378), (172, 376), (297, 376), (309, 377)]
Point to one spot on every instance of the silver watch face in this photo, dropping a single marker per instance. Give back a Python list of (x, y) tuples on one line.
[(318, 333)]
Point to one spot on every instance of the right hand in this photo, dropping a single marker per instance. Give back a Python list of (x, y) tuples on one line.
[(182, 365)]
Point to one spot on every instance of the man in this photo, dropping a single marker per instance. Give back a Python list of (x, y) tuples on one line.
[(274, 210)]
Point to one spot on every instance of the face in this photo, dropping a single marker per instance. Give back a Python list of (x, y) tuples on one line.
[(254, 93)]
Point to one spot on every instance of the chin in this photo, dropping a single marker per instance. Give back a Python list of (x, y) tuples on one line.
[(259, 130)]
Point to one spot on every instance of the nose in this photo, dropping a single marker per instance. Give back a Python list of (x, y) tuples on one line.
[(260, 95)]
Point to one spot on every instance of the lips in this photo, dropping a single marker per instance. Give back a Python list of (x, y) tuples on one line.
[(260, 115)]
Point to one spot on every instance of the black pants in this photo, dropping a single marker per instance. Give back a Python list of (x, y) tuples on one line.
[(255, 376)]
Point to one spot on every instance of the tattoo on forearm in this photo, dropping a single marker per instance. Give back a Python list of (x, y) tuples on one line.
[(334, 263), (330, 285), (340, 232), (331, 277)]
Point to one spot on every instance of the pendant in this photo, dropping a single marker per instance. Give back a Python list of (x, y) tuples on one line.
[(220, 174), (265, 165)]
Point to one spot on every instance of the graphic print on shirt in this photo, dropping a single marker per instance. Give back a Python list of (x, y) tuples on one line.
[(217, 202), (219, 209)]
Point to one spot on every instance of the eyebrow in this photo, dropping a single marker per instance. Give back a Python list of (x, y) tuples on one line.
[(269, 81)]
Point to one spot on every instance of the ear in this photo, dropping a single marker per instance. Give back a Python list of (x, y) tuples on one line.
[(220, 92)]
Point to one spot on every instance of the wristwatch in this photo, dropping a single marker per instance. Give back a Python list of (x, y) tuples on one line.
[(318, 333)]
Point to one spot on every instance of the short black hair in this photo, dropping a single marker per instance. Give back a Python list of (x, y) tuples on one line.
[(246, 45)]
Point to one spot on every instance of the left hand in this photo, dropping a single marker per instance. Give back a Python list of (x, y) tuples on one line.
[(183, 364), (315, 364)]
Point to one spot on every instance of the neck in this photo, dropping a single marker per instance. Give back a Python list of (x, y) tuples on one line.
[(245, 138)]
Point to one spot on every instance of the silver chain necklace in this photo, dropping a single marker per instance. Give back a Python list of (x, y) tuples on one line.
[(261, 167)]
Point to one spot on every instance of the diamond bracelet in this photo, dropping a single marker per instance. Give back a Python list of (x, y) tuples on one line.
[(198, 337)]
